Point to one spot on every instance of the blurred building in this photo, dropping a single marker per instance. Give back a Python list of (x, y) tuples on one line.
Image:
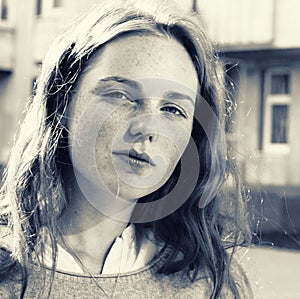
[(26, 30), (260, 44)]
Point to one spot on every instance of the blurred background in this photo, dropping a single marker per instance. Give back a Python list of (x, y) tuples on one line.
[(259, 42)]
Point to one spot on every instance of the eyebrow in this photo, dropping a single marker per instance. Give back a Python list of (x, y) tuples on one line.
[(178, 96), (130, 83)]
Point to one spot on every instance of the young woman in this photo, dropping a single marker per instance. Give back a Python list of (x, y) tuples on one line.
[(117, 184)]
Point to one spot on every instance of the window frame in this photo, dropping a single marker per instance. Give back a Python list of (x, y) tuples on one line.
[(49, 8), (4, 11), (273, 100)]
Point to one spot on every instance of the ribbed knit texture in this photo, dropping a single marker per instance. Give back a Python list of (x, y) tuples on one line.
[(144, 283)]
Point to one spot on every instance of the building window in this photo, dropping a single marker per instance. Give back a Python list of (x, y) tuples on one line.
[(277, 105), (3, 9), (279, 123), (48, 8), (38, 7), (57, 3), (280, 84)]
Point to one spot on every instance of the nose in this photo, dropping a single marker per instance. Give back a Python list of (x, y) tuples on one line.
[(144, 127)]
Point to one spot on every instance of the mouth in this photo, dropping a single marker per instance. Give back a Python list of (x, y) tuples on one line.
[(135, 158)]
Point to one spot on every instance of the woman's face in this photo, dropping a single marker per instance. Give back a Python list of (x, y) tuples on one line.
[(132, 116)]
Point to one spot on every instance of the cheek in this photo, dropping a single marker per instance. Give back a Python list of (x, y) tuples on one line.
[(178, 142), (172, 152), (172, 142), (85, 126), (110, 137), (176, 136), (111, 132)]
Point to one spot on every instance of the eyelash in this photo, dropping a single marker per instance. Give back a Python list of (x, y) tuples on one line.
[(119, 95), (178, 111)]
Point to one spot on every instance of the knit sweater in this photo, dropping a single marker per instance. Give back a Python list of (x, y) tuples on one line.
[(143, 283)]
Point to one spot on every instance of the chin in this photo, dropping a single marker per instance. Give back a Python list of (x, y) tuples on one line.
[(134, 194), (130, 193)]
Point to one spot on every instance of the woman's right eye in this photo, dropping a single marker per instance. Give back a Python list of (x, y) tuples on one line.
[(118, 95)]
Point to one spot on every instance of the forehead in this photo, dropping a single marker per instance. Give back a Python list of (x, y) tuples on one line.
[(138, 57)]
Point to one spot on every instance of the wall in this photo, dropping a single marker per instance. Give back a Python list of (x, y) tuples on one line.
[(7, 47), (249, 24)]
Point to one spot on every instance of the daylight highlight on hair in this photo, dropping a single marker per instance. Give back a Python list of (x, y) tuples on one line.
[(33, 193)]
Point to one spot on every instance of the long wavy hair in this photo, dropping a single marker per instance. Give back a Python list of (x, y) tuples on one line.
[(33, 191)]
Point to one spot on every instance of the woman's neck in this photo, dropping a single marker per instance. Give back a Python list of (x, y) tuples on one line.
[(88, 234)]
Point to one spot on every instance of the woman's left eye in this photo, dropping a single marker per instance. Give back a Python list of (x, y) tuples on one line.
[(174, 110)]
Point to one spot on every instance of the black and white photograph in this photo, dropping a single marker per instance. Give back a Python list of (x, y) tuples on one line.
[(149, 149)]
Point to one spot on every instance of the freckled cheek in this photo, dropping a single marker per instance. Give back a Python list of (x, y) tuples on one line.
[(105, 142), (176, 136), (171, 148)]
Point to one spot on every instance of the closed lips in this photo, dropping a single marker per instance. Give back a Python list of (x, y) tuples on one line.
[(135, 156)]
